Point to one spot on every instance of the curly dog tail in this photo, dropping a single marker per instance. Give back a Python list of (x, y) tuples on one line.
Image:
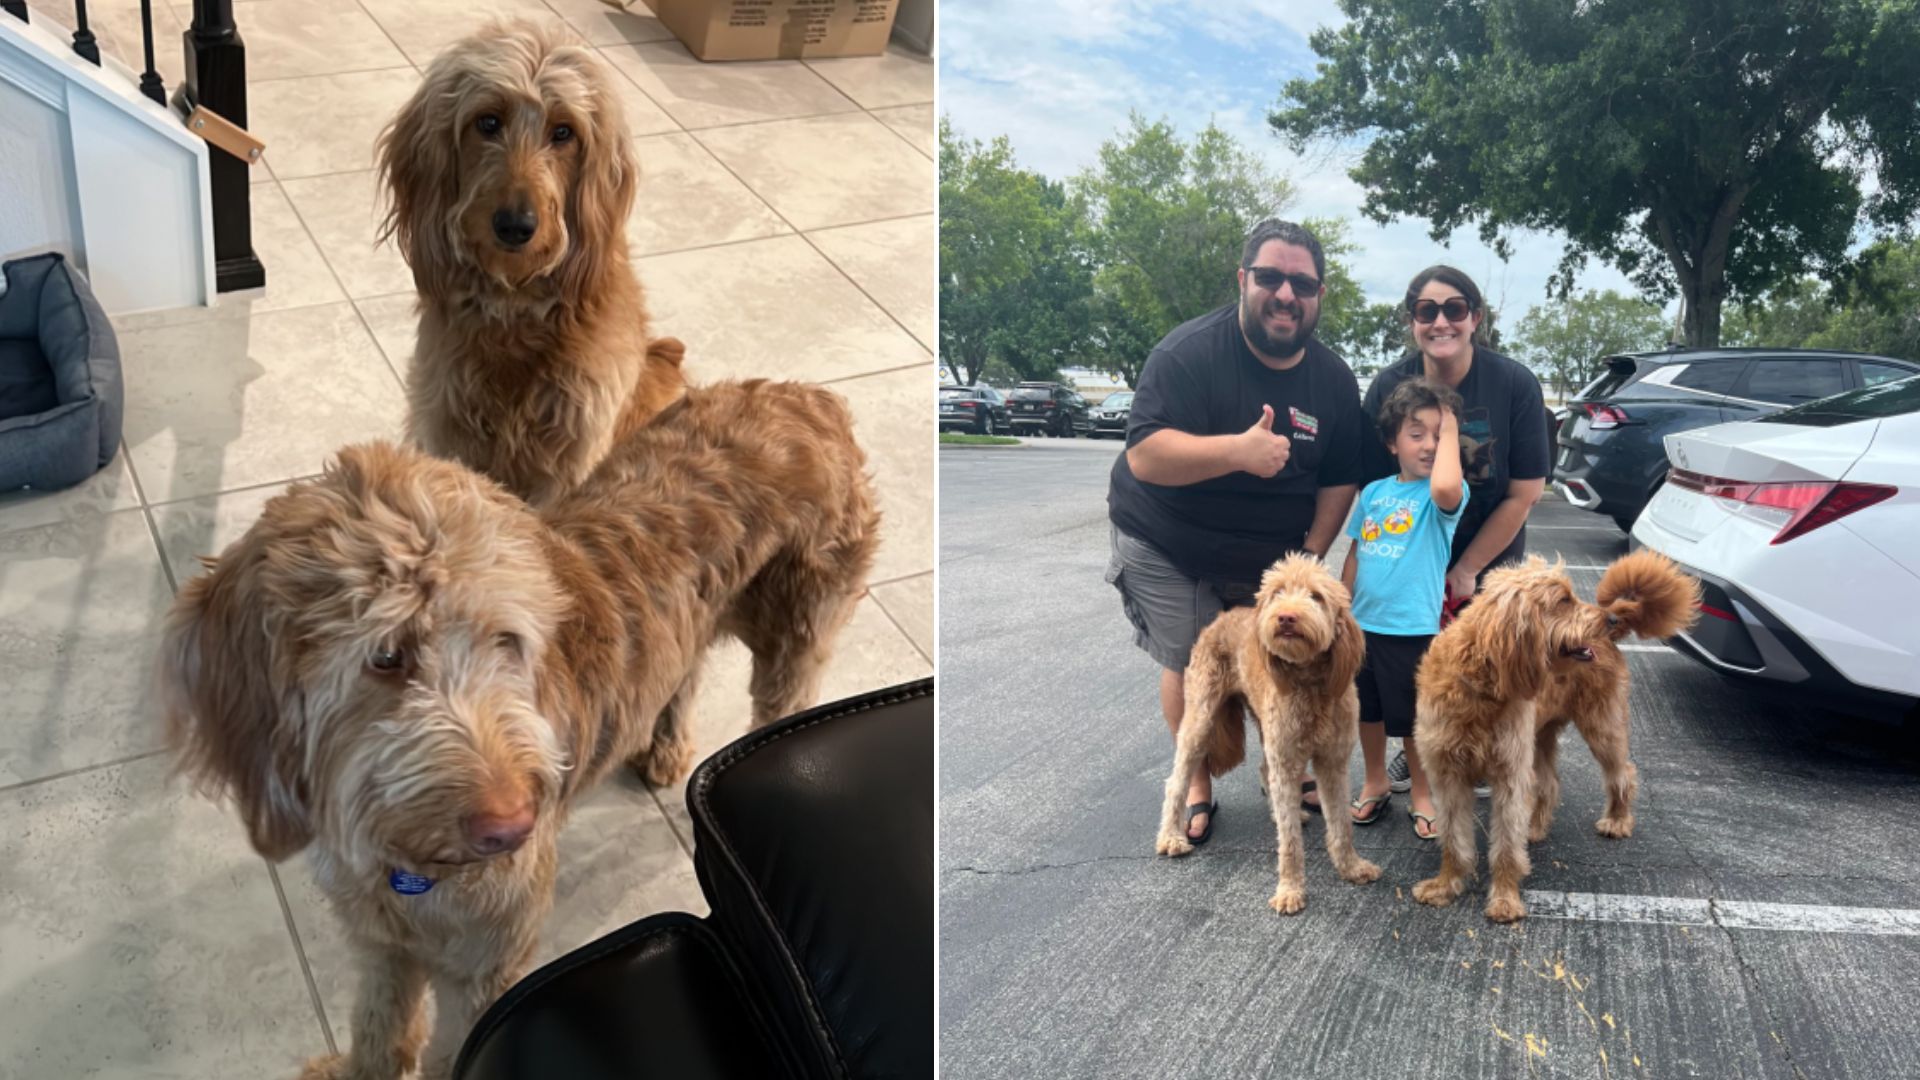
[(667, 350), (1648, 595)]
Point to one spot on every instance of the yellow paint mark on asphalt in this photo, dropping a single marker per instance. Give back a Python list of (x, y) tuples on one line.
[(1469, 933), (1608, 1018), (1495, 989), (1591, 1022), (1536, 1044), (1466, 965), (1502, 1034), (1577, 984), (1499, 963)]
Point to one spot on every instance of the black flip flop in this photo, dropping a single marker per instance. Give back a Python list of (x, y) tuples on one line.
[(1381, 804), (1212, 810), (1306, 786)]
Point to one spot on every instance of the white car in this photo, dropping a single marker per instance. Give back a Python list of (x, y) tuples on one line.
[(1804, 529)]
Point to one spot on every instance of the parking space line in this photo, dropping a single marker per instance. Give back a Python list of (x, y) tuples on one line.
[(1731, 914)]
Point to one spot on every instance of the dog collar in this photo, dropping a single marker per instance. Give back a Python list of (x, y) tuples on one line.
[(408, 884)]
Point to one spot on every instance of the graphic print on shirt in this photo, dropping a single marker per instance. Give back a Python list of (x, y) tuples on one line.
[(1398, 520)]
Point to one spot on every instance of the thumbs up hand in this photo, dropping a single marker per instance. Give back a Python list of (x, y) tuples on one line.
[(1261, 452)]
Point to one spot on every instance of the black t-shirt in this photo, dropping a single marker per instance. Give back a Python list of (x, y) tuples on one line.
[(1504, 412), (1203, 379)]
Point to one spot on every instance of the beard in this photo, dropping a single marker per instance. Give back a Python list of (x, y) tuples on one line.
[(1273, 345)]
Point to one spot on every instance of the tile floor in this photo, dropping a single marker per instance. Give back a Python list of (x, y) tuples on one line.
[(785, 227)]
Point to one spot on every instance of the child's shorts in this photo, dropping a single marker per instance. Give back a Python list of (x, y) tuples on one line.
[(1386, 680)]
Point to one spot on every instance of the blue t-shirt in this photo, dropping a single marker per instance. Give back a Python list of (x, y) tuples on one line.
[(1402, 541)]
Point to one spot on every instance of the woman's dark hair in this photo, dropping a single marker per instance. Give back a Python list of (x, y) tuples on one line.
[(1447, 275), (1409, 398), (1287, 233)]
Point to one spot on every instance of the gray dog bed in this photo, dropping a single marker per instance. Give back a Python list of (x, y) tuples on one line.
[(59, 377)]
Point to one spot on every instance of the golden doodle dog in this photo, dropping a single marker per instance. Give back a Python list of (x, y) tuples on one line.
[(1290, 660), (1498, 686), (509, 176), (411, 674)]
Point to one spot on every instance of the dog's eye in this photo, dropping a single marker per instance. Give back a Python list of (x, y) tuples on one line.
[(562, 133), (511, 643), (386, 660), (488, 125)]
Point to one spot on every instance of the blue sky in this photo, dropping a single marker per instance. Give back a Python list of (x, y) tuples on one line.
[(1058, 77)]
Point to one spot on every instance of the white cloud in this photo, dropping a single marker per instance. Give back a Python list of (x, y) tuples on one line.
[(1059, 78)]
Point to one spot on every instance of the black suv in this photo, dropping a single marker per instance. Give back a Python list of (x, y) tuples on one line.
[(1610, 457), (1049, 408), (979, 409)]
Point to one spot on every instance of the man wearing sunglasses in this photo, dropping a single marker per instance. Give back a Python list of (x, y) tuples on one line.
[(1243, 444)]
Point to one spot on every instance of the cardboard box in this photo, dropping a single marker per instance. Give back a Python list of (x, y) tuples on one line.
[(778, 29)]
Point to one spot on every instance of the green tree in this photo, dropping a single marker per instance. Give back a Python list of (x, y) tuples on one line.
[(1708, 147), (1015, 277), (1565, 340), (1877, 309), (1168, 217), (1785, 317)]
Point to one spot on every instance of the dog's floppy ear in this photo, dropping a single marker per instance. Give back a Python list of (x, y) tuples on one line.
[(603, 190), (419, 170), (225, 704), (1513, 644), (1349, 645)]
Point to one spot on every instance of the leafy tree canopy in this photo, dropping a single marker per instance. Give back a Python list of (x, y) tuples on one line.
[(1712, 148)]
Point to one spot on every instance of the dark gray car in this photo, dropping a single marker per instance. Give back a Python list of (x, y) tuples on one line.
[(1609, 456)]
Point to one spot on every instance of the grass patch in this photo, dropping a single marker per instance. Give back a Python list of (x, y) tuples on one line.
[(955, 438)]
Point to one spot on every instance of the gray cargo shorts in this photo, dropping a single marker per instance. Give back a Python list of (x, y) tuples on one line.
[(1167, 608)]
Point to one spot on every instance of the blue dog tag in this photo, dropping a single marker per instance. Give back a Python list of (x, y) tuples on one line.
[(409, 884)]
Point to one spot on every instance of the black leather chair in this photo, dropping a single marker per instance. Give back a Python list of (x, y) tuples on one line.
[(813, 842)]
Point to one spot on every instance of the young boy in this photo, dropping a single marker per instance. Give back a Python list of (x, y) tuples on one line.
[(1402, 529)]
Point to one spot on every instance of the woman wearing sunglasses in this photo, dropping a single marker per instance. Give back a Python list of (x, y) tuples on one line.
[(1504, 414)]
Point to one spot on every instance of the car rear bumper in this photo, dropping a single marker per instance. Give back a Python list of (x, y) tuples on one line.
[(1825, 612)]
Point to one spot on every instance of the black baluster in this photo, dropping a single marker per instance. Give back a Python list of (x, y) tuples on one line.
[(217, 78), (150, 84), (83, 40), (15, 8)]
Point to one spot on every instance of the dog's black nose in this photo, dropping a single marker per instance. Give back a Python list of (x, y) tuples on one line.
[(514, 227)]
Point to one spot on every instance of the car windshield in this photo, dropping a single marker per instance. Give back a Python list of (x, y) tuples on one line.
[(955, 393), (1117, 401), (1873, 403), (1032, 393)]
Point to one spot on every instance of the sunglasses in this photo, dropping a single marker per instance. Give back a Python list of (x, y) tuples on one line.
[(1269, 279), (1456, 310)]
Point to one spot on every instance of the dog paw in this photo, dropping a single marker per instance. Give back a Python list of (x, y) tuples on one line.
[(1617, 828), (1538, 832), (1288, 901), (1360, 872), (1435, 892), (1172, 843), (1506, 909), (665, 766), (327, 1067)]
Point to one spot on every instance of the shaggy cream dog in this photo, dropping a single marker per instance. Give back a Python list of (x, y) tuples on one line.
[(404, 670)]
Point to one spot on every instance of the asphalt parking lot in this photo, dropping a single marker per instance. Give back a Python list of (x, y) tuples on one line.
[(1761, 922)]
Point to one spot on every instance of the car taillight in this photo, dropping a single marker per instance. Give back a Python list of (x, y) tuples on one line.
[(1602, 417), (968, 404), (1809, 503)]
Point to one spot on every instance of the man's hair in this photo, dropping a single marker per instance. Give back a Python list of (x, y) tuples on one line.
[(1409, 398), (1287, 233)]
